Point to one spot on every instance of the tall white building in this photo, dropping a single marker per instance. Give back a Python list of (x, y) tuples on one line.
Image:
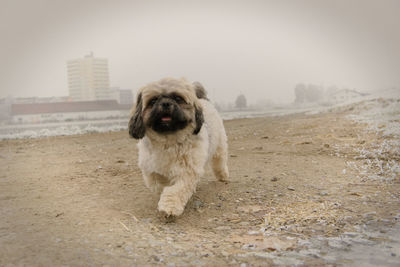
[(88, 79)]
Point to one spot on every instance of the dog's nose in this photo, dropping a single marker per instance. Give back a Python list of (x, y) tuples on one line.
[(166, 104)]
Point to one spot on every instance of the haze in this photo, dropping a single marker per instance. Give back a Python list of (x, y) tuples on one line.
[(259, 48)]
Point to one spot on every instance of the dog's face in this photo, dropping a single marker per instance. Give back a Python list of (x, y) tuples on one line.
[(166, 107)]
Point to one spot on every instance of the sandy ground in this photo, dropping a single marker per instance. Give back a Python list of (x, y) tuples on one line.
[(296, 196)]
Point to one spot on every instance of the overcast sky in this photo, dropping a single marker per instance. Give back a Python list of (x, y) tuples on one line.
[(259, 48)]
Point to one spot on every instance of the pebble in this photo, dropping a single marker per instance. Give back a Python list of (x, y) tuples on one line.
[(147, 220), (351, 234), (223, 228), (253, 232), (213, 220), (290, 188), (198, 204), (128, 248), (338, 244), (347, 218), (224, 253), (156, 258), (315, 253), (274, 179), (369, 214)]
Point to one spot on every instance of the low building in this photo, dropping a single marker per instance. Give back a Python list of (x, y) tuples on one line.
[(123, 96), (68, 111), (344, 95), (30, 100), (5, 109)]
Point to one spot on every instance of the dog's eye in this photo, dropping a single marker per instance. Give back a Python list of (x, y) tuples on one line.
[(152, 101), (178, 99)]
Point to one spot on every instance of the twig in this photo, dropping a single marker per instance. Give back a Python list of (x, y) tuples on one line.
[(133, 216), (129, 230)]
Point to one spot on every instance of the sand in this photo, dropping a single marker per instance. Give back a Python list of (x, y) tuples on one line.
[(299, 194)]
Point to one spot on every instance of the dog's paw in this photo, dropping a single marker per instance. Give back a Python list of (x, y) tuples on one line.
[(166, 218), (222, 174), (170, 209), (223, 178)]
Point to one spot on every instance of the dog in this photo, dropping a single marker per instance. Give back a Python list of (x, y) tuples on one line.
[(179, 133)]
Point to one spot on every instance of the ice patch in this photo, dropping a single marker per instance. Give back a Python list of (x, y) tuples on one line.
[(381, 115), (66, 130), (21, 131), (381, 159)]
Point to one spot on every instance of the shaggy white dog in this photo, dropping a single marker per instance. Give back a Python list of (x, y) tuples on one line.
[(180, 131)]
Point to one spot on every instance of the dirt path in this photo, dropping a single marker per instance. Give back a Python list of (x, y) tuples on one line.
[(296, 196)]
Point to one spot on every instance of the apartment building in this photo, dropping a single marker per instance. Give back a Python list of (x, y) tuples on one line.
[(88, 79)]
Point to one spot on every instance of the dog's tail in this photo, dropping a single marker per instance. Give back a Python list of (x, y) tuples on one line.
[(201, 93)]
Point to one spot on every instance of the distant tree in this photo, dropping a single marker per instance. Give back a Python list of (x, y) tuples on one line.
[(314, 93), (241, 101), (331, 90), (308, 94), (300, 92)]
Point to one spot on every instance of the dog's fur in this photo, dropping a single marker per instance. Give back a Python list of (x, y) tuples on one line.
[(180, 132)]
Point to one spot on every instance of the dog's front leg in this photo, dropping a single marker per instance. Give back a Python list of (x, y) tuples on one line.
[(155, 182), (173, 198)]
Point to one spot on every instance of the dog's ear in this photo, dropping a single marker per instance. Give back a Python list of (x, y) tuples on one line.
[(201, 93), (136, 125), (199, 119)]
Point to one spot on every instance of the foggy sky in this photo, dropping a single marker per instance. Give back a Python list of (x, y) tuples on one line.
[(259, 48)]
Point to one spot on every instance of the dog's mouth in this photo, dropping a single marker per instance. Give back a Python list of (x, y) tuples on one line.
[(166, 119), (168, 122)]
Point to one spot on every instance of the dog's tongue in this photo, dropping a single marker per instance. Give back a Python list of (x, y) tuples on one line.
[(166, 119)]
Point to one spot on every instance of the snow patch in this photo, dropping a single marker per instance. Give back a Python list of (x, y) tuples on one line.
[(62, 131), (381, 159)]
